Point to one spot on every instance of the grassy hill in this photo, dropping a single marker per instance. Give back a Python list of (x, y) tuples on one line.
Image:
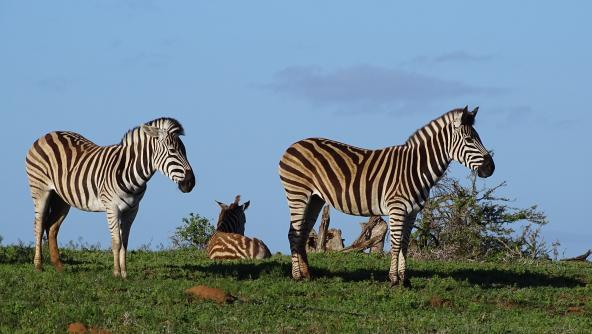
[(349, 293)]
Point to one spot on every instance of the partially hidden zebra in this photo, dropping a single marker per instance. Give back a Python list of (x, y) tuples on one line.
[(393, 181), (67, 170), (229, 242)]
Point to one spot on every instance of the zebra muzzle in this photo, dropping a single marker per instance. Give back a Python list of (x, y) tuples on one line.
[(487, 167), (187, 184)]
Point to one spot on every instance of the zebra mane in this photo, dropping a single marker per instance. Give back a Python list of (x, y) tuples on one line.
[(446, 118), (170, 124)]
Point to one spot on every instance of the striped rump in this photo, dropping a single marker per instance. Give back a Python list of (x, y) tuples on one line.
[(224, 245)]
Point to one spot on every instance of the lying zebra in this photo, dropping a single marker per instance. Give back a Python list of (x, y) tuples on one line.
[(229, 242)]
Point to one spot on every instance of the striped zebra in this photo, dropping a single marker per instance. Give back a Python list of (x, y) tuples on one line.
[(65, 169), (229, 242), (393, 181)]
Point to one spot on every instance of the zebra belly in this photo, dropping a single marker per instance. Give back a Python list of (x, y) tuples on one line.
[(90, 204), (375, 209)]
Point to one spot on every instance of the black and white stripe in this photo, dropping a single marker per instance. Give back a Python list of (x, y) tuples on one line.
[(229, 241), (65, 169), (393, 181)]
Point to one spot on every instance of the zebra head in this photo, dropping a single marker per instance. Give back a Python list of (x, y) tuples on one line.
[(168, 151), (232, 217), (466, 146)]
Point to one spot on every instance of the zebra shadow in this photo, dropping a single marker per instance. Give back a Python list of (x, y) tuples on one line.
[(237, 269), (485, 278), (500, 278)]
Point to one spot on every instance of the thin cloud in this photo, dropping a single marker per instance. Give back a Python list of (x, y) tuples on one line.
[(450, 57), (369, 86), (461, 56), (519, 115)]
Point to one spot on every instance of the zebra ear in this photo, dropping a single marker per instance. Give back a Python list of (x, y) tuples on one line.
[(152, 131), (222, 205), (246, 205), (459, 117), (474, 112), (468, 118)]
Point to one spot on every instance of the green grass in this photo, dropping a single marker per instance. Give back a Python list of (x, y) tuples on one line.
[(349, 293)]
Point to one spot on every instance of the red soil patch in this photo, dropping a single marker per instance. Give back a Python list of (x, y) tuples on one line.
[(574, 310), (203, 292), (80, 328), (76, 328)]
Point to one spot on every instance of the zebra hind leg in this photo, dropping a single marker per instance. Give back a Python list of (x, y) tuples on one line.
[(302, 221), (41, 203), (58, 210)]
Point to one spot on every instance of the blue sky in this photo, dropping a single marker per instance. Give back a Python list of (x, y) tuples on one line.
[(247, 79)]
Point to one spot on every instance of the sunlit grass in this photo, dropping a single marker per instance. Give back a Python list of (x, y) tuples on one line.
[(349, 293)]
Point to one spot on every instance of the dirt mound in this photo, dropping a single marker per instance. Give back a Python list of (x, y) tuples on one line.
[(203, 292), (80, 328)]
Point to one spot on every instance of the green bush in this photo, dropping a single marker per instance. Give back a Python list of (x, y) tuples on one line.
[(195, 232), (464, 221)]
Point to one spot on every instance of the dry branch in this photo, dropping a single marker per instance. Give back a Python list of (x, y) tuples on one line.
[(582, 257), (372, 236), (326, 239), (322, 242)]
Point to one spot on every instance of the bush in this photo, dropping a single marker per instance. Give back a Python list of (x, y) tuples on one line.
[(195, 232), (462, 221)]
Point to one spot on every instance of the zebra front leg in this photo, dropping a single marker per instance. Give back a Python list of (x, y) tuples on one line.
[(113, 219), (409, 221), (397, 217), (127, 220)]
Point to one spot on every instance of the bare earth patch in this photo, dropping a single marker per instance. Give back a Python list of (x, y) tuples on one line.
[(203, 292), (80, 328)]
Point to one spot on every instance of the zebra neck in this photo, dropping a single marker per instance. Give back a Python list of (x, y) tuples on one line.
[(137, 166), (229, 227), (431, 153)]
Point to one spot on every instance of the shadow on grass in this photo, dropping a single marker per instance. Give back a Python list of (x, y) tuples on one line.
[(19, 254), (495, 278), (486, 278)]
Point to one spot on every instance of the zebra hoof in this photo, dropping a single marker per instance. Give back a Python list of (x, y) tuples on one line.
[(301, 277), (394, 280)]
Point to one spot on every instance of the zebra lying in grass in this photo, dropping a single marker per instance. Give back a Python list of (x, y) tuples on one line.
[(229, 242), (65, 169)]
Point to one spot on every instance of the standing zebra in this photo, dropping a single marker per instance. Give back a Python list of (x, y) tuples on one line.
[(393, 181), (229, 241), (65, 169)]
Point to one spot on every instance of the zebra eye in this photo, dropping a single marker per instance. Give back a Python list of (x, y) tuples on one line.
[(171, 150), (470, 140)]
